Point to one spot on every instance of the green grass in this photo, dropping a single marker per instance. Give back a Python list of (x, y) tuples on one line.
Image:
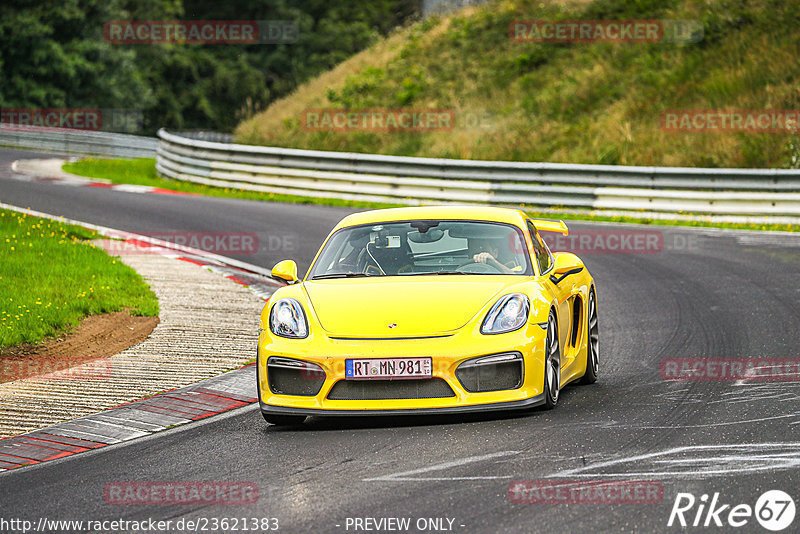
[(140, 171), (51, 277), (574, 103), (143, 172)]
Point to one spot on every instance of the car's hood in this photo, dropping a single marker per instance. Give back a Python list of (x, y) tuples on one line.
[(418, 306)]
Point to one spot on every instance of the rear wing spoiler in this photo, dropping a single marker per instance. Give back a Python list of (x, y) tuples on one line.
[(551, 226)]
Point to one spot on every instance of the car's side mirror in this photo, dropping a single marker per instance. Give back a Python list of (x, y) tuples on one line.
[(285, 270), (565, 262)]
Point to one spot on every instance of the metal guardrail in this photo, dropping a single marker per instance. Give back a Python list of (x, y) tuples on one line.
[(83, 142), (205, 135), (411, 180)]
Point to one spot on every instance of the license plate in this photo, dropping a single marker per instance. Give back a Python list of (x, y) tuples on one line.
[(388, 368)]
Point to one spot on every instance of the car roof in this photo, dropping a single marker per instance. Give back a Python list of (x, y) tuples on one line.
[(477, 213)]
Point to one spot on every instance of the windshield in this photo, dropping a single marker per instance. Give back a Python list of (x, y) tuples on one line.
[(411, 248)]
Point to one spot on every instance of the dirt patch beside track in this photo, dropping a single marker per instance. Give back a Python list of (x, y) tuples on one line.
[(98, 336)]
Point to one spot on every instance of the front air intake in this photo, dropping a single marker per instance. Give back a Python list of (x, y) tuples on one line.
[(491, 373), (294, 377)]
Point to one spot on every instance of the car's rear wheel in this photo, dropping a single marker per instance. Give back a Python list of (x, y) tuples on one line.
[(592, 344), (552, 365), (283, 420)]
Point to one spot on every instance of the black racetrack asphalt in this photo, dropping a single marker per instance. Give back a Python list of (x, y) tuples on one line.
[(699, 294)]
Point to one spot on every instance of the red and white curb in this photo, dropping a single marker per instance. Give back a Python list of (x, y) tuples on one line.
[(49, 170), (231, 390), (213, 396)]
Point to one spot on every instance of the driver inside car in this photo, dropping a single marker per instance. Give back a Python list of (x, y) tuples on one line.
[(485, 250)]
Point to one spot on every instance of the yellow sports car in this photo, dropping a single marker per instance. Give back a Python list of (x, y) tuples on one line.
[(428, 310)]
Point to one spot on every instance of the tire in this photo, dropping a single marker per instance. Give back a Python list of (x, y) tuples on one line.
[(283, 420), (552, 364), (592, 341)]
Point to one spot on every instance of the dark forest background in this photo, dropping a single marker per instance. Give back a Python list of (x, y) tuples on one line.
[(53, 55)]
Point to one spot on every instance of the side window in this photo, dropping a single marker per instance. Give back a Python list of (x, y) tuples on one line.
[(543, 257)]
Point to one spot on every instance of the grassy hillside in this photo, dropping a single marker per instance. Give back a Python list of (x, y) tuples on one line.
[(578, 103)]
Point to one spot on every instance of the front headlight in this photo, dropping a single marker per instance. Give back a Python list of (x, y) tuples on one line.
[(508, 314), (287, 319)]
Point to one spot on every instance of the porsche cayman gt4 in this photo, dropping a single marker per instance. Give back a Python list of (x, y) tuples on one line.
[(427, 310)]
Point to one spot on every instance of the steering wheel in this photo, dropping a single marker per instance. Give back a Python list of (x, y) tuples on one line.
[(474, 267)]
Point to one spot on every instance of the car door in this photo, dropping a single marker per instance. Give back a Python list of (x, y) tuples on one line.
[(563, 291)]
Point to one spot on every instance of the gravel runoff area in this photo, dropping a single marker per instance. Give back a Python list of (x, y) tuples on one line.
[(208, 325)]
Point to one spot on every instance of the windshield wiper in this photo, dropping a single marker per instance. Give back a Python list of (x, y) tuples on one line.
[(338, 275), (435, 272)]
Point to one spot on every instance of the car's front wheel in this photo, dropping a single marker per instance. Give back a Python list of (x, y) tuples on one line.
[(283, 420), (552, 364)]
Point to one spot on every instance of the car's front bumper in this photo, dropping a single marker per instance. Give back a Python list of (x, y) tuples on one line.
[(447, 352), (471, 408)]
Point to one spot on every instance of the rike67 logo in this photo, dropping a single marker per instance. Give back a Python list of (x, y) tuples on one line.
[(774, 510)]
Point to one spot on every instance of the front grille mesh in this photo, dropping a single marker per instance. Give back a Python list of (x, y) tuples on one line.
[(430, 388)]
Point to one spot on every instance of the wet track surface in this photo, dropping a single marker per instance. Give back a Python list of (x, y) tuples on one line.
[(700, 294)]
